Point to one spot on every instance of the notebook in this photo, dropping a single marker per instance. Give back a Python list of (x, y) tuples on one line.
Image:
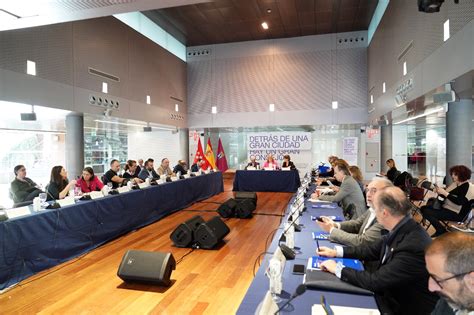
[(315, 261)]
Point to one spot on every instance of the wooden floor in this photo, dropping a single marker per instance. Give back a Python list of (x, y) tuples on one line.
[(205, 282)]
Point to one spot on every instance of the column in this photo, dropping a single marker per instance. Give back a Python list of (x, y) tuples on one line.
[(184, 144), (385, 145), (459, 134), (74, 144)]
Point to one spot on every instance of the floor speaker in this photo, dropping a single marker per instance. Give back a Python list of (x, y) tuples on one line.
[(244, 209), (209, 234), (147, 267), (183, 235), (240, 195), (227, 209)]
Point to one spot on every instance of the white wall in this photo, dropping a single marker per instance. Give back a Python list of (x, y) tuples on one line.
[(155, 144)]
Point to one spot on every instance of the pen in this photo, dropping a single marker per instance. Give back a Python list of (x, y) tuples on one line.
[(317, 244)]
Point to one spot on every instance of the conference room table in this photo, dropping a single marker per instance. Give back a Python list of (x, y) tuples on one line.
[(40, 240), (305, 247), (268, 181)]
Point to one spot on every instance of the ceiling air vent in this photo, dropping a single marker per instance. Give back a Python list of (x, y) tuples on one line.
[(103, 75)]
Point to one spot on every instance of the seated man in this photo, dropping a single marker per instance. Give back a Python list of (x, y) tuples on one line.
[(140, 166), (111, 176), (148, 171), (180, 167), (450, 264), (253, 162), (164, 168), (365, 229), (348, 193), (22, 188), (197, 166), (400, 282)]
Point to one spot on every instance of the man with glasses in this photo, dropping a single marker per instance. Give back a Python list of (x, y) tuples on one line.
[(400, 282), (450, 264), (23, 188), (363, 230)]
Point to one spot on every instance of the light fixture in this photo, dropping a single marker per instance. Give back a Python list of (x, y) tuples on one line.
[(334, 104), (421, 115), (214, 109), (446, 32), (430, 6), (404, 68), (265, 25), (30, 67), (176, 107), (383, 88), (105, 88), (148, 99), (271, 107), (371, 99)]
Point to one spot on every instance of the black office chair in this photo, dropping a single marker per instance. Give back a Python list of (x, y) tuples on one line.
[(349, 211)]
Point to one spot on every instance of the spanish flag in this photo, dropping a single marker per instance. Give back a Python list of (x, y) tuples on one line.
[(210, 154)]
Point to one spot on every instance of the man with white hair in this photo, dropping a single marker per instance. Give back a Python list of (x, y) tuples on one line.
[(363, 230)]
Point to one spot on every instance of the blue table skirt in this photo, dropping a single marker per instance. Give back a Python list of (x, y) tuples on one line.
[(44, 239), (273, 181), (305, 247)]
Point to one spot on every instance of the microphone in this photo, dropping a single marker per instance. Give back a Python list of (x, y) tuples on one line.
[(54, 205), (299, 291)]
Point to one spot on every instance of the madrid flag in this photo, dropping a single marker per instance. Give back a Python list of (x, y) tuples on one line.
[(200, 156), (210, 154), (221, 159)]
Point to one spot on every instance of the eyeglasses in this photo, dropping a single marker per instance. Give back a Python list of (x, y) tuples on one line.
[(438, 282)]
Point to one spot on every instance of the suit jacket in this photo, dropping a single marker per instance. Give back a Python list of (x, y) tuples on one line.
[(291, 165), (254, 164), (442, 308), (400, 283), (144, 174), (351, 232), (348, 193)]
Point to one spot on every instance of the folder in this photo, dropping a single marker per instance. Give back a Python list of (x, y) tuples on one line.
[(317, 279)]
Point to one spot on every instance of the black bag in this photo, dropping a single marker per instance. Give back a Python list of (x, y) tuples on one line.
[(434, 203)]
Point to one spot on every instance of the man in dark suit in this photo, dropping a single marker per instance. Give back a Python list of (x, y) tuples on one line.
[(450, 263), (148, 171), (400, 282)]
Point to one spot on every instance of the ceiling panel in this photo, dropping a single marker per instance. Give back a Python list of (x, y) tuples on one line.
[(223, 21)]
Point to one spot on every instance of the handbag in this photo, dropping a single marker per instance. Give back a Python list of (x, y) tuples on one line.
[(434, 203)]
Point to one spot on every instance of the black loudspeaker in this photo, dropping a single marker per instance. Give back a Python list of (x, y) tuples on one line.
[(147, 267), (183, 235), (245, 208), (209, 234), (240, 195), (227, 209)]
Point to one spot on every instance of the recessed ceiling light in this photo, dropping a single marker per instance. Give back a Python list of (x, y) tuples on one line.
[(269, 10), (265, 25)]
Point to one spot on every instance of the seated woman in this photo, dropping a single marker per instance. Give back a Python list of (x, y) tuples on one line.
[(287, 162), (392, 172), (130, 169), (271, 163), (89, 182), (357, 175), (22, 188), (59, 185), (456, 203)]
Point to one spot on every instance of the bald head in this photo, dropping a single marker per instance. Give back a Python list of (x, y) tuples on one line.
[(394, 200)]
